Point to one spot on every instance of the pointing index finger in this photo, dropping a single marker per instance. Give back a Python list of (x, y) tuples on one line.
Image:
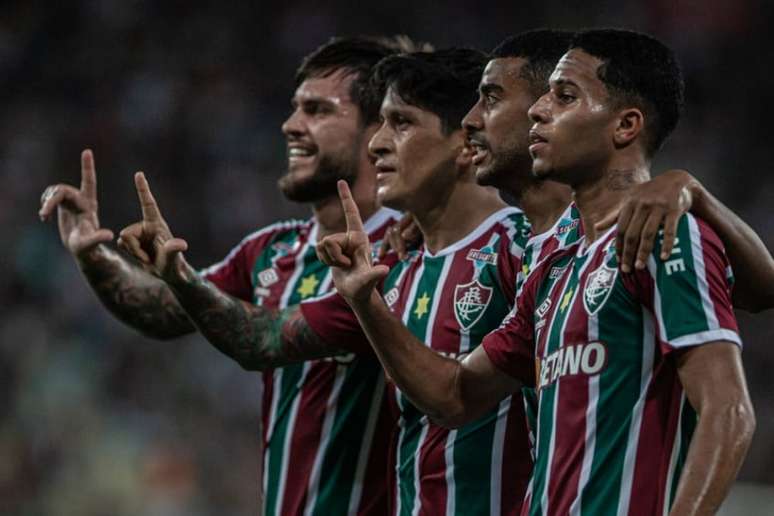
[(150, 210), (88, 175), (351, 212)]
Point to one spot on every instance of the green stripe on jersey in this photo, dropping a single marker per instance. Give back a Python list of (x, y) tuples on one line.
[(680, 304), (353, 424)]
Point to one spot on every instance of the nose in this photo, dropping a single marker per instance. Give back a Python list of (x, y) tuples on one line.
[(294, 126), (473, 121), (380, 143), (538, 112)]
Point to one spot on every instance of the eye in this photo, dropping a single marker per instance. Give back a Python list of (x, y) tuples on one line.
[(400, 122), (565, 98)]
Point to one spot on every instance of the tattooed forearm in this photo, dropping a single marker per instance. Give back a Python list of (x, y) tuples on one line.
[(137, 298), (256, 337)]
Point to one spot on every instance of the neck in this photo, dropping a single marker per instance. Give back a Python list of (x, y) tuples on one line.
[(463, 210), (543, 203), (602, 196), (330, 215)]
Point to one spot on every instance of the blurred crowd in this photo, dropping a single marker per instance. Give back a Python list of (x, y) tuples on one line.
[(96, 419)]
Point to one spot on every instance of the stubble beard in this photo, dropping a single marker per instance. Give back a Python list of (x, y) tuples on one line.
[(322, 183)]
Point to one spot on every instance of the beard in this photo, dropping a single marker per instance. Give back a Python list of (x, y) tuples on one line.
[(321, 184), (510, 169)]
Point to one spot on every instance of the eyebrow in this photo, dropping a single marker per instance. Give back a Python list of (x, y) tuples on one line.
[(489, 87), (564, 82)]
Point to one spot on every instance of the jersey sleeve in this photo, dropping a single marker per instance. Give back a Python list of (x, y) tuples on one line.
[(690, 292), (332, 320), (233, 274), (511, 347)]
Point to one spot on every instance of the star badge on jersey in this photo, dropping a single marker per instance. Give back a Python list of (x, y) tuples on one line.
[(599, 285), (470, 302), (422, 303), (308, 286)]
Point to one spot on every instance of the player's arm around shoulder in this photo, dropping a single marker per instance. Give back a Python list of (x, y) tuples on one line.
[(691, 300)]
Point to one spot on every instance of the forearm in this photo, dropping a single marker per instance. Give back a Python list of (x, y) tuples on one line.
[(256, 337), (716, 453), (135, 297), (750, 259), (430, 380)]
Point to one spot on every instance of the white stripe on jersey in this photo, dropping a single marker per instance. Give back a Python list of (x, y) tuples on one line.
[(451, 486), (635, 428), (288, 292), (590, 444), (330, 416), (288, 439), (498, 446), (422, 436), (701, 275), (673, 459), (365, 446)]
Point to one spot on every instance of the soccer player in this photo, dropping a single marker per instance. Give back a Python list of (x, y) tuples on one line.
[(643, 404), (325, 430), (451, 292)]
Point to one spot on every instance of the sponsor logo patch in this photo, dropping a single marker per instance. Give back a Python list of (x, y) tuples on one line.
[(268, 277), (470, 302), (391, 296), (586, 359), (482, 256)]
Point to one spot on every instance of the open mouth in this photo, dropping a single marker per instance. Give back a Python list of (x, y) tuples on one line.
[(536, 142), (480, 150), (300, 152)]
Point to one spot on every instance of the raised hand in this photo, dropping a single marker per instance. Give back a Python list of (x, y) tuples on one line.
[(648, 206), (76, 210), (151, 241), (400, 237), (349, 254)]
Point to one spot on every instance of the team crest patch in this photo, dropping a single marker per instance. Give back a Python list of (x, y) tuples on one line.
[(268, 277), (470, 302), (599, 284)]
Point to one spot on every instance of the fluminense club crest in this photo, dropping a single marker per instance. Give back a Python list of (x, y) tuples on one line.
[(599, 284), (470, 302)]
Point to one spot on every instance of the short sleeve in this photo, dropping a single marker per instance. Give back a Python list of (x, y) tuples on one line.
[(511, 347), (690, 292), (331, 319)]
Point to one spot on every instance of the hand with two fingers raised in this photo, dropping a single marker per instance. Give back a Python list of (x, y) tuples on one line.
[(151, 242), (349, 254), (77, 213)]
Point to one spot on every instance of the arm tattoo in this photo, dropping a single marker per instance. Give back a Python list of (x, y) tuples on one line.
[(134, 296), (256, 337)]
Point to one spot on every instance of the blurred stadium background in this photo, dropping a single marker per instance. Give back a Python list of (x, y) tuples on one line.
[(95, 419)]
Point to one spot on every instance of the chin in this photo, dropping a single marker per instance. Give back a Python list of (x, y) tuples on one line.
[(485, 176)]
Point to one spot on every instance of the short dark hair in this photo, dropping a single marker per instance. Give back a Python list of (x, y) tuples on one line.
[(357, 55), (444, 82), (638, 70), (542, 49)]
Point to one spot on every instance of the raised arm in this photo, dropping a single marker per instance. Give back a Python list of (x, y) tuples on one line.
[(451, 393), (662, 201), (256, 337), (714, 383), (125, 289)]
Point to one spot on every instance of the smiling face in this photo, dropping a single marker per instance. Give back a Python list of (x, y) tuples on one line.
[(572, 136), (415, 159), (324, 136), (497, 126)]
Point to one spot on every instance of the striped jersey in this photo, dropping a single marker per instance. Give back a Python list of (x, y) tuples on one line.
[(613, 422), (450, 300), (324, 420)]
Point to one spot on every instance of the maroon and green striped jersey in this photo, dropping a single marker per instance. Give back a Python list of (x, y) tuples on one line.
[(613, 423), (326, 423), (450, 300)]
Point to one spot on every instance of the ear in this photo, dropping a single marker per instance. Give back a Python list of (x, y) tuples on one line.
[(631, 123)]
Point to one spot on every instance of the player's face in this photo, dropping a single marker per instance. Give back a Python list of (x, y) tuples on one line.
[(415, 159), (497, 126), (324, 136), (573, 123)]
